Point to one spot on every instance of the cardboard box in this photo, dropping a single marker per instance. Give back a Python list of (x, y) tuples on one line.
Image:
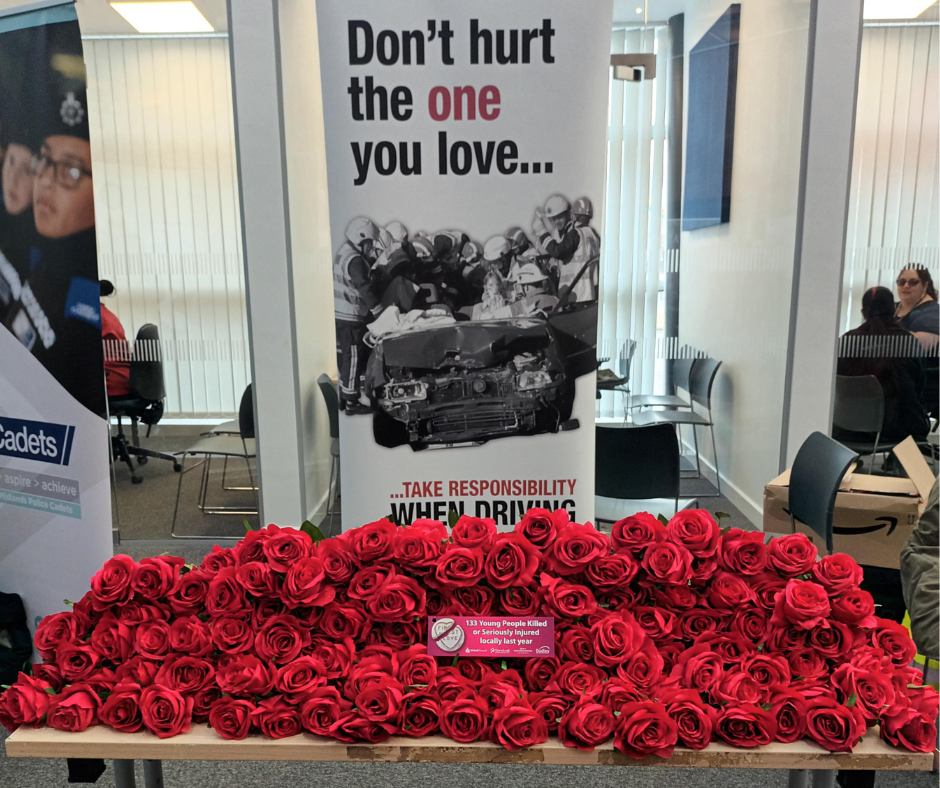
[(874, 515)]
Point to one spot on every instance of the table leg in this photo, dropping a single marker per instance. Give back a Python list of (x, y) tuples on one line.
[(153, 774), (124, 774), (824, 778), (799, 778)]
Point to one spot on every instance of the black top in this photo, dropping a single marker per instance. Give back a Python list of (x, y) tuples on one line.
[(925, 318)]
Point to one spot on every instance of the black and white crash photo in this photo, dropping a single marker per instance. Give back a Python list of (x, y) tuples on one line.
[(446, 340)]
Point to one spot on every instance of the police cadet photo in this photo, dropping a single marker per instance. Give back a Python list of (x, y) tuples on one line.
[(390, 281)]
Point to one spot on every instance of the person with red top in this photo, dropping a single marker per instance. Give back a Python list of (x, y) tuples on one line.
[(117, 365)]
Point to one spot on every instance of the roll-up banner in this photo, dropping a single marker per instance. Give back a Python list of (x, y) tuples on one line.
[(465, 161), (55, 510)]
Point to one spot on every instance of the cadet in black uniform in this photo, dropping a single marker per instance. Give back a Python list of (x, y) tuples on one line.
[(58, 316)]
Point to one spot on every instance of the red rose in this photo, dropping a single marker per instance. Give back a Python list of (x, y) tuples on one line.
[(635, 533), (165, 712), (113, 639), (135, 613), (616, 638), (837, 573), (873, 691), (232, 635), (111, 584), (152, 640), (579, 679), (746, 725), (281, 639), (338, 564), (772, 673), (585, 725), (217, 559), (567, 600), (121, 709), (48, 672), (474, 532), (416, 668), (351, 727), (417, 547), (501, 689), (729, 591), (551, 706), (285, 546), (618, 692), (185, 674), (696, 530), (668, 563), (367, 580), (855, 606), (336, 655), (792, 555), (575, 548), (459, 567), (737, 687), (749, 623), (55, 630), (74, 710), (539, 672), (259, 579), (893, 639), (226, 594), (381, 701), (512, 561), (190, 635), (400, 634), (305, 584), (834, 641), (137, 670), (789, 709), (807, 662), (189, 596), (658, 624), (202, 702), (645, 728), (802, 604), (541, 527), (465, 719), (742, 552), (452, 684), (700, 621), (321, 710), (730, 647), (644, 668), (244, 675), (76, 661), (420, 714), (703, 569), (766, 587), (231, 717), (276, 718), (373, 541), (25, 702), (515, 727), (518, 601), (399, 598), (694, 720), (573, 642), (784, 639), (611, 571), (155, 578), (833, 726), (674, 598), (477, 601), (904, 726), (698, 668)]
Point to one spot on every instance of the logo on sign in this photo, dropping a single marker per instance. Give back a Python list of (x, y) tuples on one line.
[(448, 634), (36, 440)]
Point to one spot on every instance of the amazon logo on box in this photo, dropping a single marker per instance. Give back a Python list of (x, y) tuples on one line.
[(36, 440)]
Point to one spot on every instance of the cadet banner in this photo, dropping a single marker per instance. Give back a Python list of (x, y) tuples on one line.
[(465, 159), (55, 511)]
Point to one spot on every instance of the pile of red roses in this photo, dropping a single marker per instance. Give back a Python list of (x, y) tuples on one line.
[(665, 635)]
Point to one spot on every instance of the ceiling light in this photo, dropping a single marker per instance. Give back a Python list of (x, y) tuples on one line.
[(895, 9), (164, 17)]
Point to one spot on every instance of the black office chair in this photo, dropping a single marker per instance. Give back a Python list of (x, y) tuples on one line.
[(818, 470), (144, 404), (636, 463), (331, 398), (859, 407), (701, 382)]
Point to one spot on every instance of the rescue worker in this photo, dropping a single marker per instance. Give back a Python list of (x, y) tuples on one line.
[(563, 242), (518, 240), (353, 301), (58, 316), (17, 226), (589, 250), (535, 286)]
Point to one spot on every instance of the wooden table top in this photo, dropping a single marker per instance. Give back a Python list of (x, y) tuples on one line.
[(204, 744)]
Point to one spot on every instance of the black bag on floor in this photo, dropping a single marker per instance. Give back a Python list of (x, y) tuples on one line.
[(16, 645)]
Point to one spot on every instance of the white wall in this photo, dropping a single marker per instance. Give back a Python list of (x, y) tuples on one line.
[(310, 235), (166, 205), (735, 279)]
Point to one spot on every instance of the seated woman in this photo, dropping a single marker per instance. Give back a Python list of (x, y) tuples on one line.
[(919, 312), (494, 298), (883, 348), (117, 364)]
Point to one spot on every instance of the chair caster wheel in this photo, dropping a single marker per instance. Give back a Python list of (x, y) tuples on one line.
[(142, 460), (135, 479), (177, 467)]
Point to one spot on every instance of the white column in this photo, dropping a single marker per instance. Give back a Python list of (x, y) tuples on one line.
[(262, 180), (826, 170)]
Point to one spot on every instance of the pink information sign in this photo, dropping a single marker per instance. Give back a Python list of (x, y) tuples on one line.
[(494, 636)]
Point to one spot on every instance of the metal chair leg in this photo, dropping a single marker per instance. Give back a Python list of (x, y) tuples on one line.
[(711, 428), (176, 506), (698, 460), (874, 452)]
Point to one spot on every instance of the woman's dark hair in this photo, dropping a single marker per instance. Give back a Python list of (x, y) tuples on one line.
[(924, 275), (106, 287), (878, 303)]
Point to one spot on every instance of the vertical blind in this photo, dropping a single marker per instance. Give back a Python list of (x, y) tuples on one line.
[(632, 260), (167, 213), (894, 206)]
